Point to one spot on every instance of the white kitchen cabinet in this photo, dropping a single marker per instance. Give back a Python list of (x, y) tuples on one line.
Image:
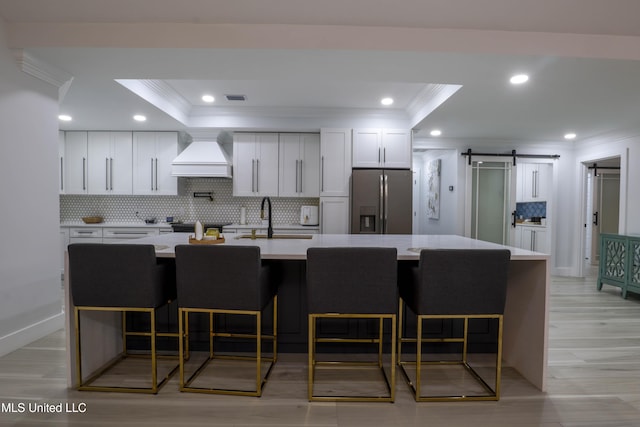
[(255, 164), (153, 153), (75, 163), (532, 238), (299, 165), (335, 162), (533, 182), (110, 169), (334, 215), (61, 162), (382, 148)]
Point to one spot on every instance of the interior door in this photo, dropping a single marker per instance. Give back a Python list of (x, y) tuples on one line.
[(606, 208), (491, 200)]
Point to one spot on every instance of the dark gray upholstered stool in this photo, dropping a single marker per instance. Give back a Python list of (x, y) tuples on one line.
[(455, 284), (119, 278), (352, 283), (217, 279)]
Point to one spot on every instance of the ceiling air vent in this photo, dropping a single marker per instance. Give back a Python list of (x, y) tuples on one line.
[(236, 97)]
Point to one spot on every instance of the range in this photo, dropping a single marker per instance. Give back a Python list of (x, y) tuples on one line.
[(188, 227)]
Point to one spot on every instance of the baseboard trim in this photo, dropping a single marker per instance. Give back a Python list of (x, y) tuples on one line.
[(31, 333)]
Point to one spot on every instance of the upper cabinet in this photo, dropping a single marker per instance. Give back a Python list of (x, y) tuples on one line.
[(299, 165), (110, 165), (533, 182), (153, 153), (335, 162), (255, 164), (75, 169), (382, 148)]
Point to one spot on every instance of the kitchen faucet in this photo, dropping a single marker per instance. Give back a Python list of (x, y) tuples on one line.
[(270, 228)]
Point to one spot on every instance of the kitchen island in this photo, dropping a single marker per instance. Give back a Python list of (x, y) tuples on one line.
[(525, 319)]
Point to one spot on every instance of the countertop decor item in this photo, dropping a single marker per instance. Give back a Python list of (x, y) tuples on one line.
[(194, 241), (92, 219)]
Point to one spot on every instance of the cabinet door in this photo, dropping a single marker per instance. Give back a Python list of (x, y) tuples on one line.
[(244, 157), (121, 163), (335, 162), (527, 238), (289, 165), (396, 149), (99, 150), (536, 181), (166, 151), (299, 164), (76, 158), (267, 164), (310, 165), (144, 154), (334, 215), (153, 153), (367, 148), (540, 241)]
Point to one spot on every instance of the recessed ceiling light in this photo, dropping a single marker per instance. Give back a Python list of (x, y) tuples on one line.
[(435, 132), (570, 135), (519, 79), (139, 118), (208, 98), (65, 117), (386, 101)]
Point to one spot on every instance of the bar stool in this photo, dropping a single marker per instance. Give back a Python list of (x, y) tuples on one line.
[(231, 280), (121, 278), (455, 284), (352, 283)]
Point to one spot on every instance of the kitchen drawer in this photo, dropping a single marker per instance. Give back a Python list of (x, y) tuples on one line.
[(85, 232), (128, 233)]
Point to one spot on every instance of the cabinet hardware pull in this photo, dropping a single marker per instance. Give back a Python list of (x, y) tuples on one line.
[(301, 190), (152, 174), (381, 206), (61, 173), (297, 179), (111, 173), (258, 175), (322, 174), (253, 175), (84, 173), (106, 173), (156, 174)]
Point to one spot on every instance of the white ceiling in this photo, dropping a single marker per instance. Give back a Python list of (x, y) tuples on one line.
[(590, 95)]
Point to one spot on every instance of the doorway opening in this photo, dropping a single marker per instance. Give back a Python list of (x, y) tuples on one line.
[(602, 205)]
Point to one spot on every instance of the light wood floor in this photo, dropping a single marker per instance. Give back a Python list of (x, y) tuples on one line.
[(594, 380)]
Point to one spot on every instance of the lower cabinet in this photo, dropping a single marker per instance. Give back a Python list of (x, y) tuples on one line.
[(532, 238), (334, 215), (620, 262)]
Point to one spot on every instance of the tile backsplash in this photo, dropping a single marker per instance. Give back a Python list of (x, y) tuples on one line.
[(531, 209), (223, 208)]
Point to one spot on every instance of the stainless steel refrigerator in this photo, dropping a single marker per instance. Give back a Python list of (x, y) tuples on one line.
[(381, 201)]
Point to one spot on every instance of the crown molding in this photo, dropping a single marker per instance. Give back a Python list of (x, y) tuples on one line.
[(159, 94), (40, 69)]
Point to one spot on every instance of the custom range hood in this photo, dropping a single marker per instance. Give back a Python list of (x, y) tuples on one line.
[(202, 159)]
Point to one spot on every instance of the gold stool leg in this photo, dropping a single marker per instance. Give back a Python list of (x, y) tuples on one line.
[(418, 356), (311, 354)]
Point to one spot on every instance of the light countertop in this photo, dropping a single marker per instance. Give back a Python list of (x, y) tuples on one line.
[(120, 224), (408, 246)]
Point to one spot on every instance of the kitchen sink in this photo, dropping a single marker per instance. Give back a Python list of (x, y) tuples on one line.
[(276, 236)]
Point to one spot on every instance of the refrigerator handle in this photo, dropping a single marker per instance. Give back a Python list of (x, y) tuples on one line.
[(381, 204), (386, 202)]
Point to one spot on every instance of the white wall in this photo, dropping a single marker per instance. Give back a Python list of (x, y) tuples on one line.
[(451, 219), (30, 293)]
